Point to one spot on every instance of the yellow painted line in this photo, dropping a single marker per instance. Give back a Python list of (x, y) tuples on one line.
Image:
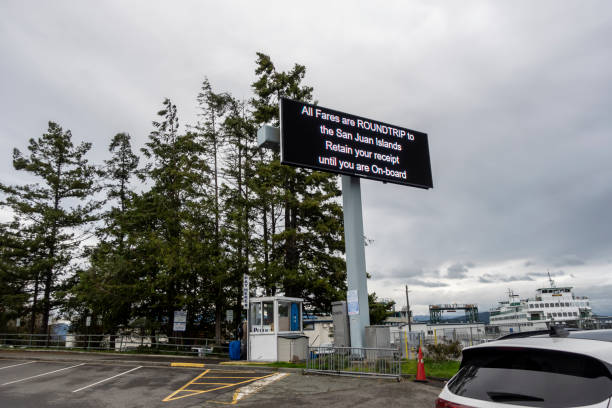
[(228, 377), (252, 388), (210, 383), (172, 396), (240, 363), (200, 365)]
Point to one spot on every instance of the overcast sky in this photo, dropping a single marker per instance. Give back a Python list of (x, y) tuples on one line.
[(516, 98)]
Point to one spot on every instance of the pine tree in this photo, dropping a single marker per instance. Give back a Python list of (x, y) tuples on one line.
[(107, 287), (312, 241), (54, 209), (238, 171), (173, 217), (17, 263), (212, 111)]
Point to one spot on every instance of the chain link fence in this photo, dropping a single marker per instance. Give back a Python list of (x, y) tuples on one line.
[(409, 342)]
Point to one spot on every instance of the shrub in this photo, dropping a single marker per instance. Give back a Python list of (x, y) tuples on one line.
[(443, 351)]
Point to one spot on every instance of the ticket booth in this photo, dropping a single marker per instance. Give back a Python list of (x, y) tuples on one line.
[(275, 329)]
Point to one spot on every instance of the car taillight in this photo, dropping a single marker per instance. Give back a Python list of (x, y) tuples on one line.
[(442, 403)]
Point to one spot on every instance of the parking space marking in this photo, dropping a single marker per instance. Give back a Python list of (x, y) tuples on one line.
[(198, 365), (252, 388), (216, 386), (17, 365), (40, 375), (171, 396), (107, 379)]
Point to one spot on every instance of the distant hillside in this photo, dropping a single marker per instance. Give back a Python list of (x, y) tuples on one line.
[(482, 317)]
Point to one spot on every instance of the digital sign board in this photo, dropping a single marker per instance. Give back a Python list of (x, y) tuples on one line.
[(325, 139)]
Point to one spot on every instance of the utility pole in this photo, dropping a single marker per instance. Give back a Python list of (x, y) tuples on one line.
[(408, 310)]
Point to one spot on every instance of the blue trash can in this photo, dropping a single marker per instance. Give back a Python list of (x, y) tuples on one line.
[(234, 350)]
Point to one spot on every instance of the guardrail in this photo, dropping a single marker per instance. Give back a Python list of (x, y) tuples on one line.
[(354, 361), (158, 344)]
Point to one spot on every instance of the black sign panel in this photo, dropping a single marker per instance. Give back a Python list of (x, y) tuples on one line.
[(324, 139)]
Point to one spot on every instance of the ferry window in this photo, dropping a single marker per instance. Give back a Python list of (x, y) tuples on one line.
[(566, 303), (575, 313), (587, 303), (547, 305), (549, 315), (556, 304), (564, 314), (530, 306)]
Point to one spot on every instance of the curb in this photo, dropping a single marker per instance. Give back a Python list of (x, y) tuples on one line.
[(80, 357)]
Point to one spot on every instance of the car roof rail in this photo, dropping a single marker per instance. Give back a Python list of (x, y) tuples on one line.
[(519, 335)]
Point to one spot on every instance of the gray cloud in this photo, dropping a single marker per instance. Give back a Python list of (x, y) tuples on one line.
[(489, 278), (427, 284), (519, 151), (458, 270), (545, 274), (569, 260)]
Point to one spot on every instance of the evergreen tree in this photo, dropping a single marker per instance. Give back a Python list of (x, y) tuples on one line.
[(172, 214), (379, 310), (239, 131), (107, 287), (212, 111), (16, 272), (54, 208), (312, 241)]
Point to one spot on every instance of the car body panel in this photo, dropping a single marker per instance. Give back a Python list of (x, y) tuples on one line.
[(601, 350), (582, 345), (477, 403)]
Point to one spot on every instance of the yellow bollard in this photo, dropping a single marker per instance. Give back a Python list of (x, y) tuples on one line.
[(435, 338), (406, 343)]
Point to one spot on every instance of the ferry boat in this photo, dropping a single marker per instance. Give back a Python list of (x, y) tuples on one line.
[(550, 305)]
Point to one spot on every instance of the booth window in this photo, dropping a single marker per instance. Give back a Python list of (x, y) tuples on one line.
[(283, 316), (255, 319), (268, 316)]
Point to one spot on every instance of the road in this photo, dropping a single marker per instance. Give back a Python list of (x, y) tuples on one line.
[(93, 381)]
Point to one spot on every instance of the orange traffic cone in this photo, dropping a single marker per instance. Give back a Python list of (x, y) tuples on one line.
[(420, 377)]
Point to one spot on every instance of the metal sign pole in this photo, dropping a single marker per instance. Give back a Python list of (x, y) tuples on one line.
[(359, 312)]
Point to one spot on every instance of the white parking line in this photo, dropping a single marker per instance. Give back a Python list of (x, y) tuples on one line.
[(106, 379), (16, 365), (40, 375)]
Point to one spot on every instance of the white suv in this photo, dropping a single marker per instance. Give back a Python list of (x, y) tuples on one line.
[(560, 369)]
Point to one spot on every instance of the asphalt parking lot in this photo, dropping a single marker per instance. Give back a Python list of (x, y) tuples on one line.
[(80, 381)]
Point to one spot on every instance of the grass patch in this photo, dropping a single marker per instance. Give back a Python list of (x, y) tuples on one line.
[(440, 369), (281, 364)]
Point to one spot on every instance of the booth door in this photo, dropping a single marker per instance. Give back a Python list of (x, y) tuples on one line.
[(295, 317)]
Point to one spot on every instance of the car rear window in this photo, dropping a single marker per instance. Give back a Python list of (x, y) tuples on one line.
[(532, 377)]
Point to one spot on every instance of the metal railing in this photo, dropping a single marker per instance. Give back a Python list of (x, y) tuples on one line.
[(159, 344), (354, 361)]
